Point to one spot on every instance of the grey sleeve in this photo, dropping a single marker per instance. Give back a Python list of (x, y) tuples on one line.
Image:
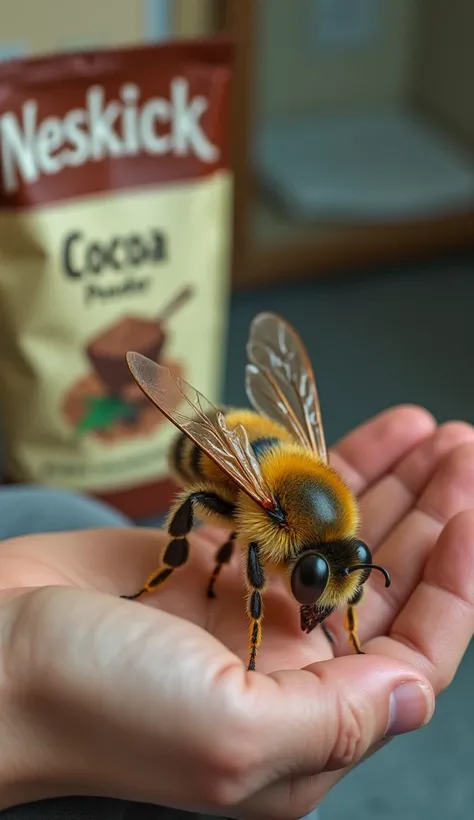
[(92, 808)]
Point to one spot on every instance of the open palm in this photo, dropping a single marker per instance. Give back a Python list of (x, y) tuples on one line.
[(415, 483)]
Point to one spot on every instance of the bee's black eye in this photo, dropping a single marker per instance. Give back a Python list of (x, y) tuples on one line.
[(309, 578), (364, 555)]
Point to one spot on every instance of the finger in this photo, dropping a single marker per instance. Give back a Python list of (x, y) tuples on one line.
[(436, 625), (406, 550), (386, 502), (331, 715), (366, 453)]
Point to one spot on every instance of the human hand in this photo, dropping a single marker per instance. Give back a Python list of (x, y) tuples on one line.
[(155, 704)]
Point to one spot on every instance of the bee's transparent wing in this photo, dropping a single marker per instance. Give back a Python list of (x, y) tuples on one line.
[(203, 423), (280, 381)]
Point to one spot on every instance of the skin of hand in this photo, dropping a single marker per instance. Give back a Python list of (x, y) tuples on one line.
[(152, 701)]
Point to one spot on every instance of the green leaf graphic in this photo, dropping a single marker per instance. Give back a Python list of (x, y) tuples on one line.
[(104, 411)]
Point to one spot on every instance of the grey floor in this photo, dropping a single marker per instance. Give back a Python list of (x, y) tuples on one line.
[(401, 335)]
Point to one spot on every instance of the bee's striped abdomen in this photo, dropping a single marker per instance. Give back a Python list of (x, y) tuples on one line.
[(194, 465), (182, 458), (190, 465), (186, 459)]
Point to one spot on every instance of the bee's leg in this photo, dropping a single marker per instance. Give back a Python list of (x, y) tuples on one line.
[(351, 621), (223, 556), (256, 584), (176, 553)]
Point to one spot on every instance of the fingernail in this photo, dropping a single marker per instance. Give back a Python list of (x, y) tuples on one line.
[(411, 706)]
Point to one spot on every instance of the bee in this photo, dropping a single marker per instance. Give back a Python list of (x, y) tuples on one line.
[(264, 475)]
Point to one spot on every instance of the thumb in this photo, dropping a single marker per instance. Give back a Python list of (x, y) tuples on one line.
[(332, 712), (323, 720)]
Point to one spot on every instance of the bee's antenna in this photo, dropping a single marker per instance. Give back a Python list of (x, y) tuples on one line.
[(384, 572)]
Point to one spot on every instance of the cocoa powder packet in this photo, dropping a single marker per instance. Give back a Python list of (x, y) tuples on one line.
[(115, 228)]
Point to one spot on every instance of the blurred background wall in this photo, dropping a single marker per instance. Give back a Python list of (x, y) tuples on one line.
[(25, 27), (297, 73), (444, 65)]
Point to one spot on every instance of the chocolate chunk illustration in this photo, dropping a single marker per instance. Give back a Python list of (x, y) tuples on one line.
[(107, 351), (146, 336)]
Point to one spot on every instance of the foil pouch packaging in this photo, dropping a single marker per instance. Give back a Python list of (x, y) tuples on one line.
[(115, 223)]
